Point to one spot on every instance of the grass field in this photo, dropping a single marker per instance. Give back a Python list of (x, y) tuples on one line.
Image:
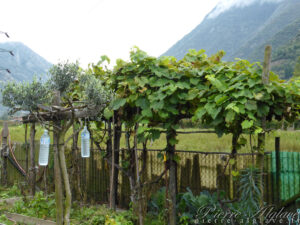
[(290, 140)]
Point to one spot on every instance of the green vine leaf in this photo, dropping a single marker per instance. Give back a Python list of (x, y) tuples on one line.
[(246, 124), (118, 103)]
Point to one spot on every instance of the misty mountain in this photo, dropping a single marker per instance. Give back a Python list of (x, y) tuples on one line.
[(24, 65), (242, 29)]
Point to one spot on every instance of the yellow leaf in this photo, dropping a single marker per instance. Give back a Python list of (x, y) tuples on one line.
[(235, 173), (143, 90)]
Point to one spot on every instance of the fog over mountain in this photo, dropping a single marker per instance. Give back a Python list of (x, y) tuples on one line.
[(224, 5), (242, 29)]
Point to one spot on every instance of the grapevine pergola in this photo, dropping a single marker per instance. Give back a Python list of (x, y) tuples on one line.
[(233, 98)]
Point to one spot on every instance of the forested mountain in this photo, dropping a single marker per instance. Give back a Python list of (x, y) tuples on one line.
[(243, 30), (24, 65)]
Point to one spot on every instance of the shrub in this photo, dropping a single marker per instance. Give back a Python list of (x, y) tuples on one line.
[(10, 192), (39, 206)]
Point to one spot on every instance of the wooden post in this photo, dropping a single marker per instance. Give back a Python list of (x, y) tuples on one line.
[(117, 131), (278, 183), (138, 181), (32, 174), (261, 137), (57, 169), (171, 134), (77, 193), (233, 155), (26, 148), (112, 197), (4, 154)]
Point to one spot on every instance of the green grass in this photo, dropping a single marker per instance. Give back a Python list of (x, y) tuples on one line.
[(290, 140)]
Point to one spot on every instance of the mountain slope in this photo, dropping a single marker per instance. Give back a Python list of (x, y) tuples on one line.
[(285, 57), (243, 30), (283, 19), (24, 65)]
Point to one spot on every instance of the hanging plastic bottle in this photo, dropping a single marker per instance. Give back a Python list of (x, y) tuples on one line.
[(44, 149), (85, 143)]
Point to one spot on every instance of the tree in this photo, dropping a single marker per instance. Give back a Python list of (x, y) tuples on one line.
[(63, 107), (26, 97)]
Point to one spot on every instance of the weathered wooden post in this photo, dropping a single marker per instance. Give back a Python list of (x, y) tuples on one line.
[(112, 196), (278, 183), (4, 153), (32, 174), (114, 172), (138, 181), (171, 136), (26, 148), (57, 169), (262, 136)]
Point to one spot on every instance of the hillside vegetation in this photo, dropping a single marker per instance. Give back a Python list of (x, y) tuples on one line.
[(242, 32)]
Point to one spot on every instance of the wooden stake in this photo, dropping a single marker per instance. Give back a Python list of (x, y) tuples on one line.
[(4, 153), (138, 181), (112, 197), (26, 148), (262, 136), (57, 170), (32, 173)]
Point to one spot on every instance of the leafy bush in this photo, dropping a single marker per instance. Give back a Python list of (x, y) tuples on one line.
[(156, 207), (63, 75), (101, 216), (24, 96), (39, 206), (5, 220), (14, 191), (190, 207), (200, 209)]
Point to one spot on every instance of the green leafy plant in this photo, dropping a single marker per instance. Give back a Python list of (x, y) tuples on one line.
[(156, 207), (25, 96), (5, 220), (194, 209), (250, 193), (64, 76), (40, 206), (101, 215), (14, 191)]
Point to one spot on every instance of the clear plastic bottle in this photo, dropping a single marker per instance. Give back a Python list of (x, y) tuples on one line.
[(44, 149), (85, 143)]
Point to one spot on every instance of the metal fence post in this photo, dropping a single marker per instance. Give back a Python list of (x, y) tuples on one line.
[(277, 156)]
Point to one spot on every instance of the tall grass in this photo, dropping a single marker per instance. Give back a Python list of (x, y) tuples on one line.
[(290, 140)]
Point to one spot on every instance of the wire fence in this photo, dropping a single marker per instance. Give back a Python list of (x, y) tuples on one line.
[(196, 170)]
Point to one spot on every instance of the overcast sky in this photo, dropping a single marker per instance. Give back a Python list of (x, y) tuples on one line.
[(86, 29)]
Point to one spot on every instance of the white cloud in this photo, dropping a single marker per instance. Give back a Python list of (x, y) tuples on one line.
[(224, 5)]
